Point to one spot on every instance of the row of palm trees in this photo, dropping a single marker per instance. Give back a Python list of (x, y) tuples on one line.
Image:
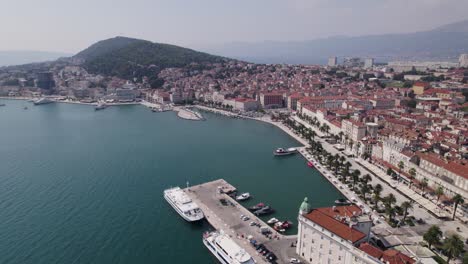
[(452, 246), (342, 168)]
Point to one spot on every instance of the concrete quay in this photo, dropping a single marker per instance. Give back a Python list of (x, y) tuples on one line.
[(228, 219)]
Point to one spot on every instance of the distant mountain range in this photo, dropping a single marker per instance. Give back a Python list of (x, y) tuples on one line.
[(129, 58), (443, 43), (22, 57)]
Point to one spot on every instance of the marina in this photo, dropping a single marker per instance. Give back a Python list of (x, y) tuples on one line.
[(240, 224)]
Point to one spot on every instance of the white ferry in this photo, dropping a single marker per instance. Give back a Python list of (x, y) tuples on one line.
[(180, 201), (225, 249)]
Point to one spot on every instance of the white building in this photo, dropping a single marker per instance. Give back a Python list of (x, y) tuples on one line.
[(353, 129), (369, 63), (331, 235), (332, 61), (463, 60)]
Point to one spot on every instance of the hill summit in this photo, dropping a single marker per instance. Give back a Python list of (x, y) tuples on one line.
[(131, 58)]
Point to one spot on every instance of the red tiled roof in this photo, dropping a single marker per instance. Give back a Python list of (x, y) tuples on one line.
[(371, 250), (392, 256), (336, 227)]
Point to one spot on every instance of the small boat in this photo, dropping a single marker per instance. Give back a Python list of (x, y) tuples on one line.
[(264, 211), (100, 106), (284, 152), (282, 226), (310, 164), (256, 207), (342, 201), (25, 108), (272, 221), (243, 197), (2, 104)]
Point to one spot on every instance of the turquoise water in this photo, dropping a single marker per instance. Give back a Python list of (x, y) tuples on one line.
[(79, 186)]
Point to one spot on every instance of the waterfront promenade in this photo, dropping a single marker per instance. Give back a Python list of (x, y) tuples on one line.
[(228, 219)]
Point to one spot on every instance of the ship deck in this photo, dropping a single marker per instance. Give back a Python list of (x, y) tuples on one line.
[(227, 218)]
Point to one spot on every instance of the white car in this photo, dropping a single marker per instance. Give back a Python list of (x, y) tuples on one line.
[(295, 261)]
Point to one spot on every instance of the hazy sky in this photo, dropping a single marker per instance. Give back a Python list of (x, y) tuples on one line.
[(69, 26)]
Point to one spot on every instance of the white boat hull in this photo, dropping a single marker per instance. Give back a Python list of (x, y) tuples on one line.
[(216, 254), (187, 218)]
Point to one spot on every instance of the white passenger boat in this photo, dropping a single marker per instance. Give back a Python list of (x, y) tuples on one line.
[(225, 249), (182, 203)]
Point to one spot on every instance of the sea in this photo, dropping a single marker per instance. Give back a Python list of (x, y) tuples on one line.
[(85, 186)]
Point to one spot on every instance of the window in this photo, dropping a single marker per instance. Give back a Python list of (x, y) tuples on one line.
[(339, 257), (321, 246), (329, 252), (321, 237)]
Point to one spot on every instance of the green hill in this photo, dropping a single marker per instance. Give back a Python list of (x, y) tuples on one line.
[(133, 58)]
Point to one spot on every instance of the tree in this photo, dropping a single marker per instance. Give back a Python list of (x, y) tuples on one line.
[(453, 247), (389, 200), (432, 235), (367, 178), (389, 171), (378, 189), (355, 175), (439, 192), (401, 166), (406, 205), (412, 173), (457, 199), (424, 184), (364, 190)]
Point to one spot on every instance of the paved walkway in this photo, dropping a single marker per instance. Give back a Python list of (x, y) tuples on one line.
[(228, 219)]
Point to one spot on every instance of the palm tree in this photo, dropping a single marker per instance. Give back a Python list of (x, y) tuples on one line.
[(378, 189), (389, 200), (390, 211), (453, 247), (367, 178), (424, 184), (457, 199), (355, 177), (439, 192), (364, 190), (412, 173), (432, 235), (401, 166), (406, 205)]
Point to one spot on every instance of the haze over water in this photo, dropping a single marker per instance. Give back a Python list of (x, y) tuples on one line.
[(79, 186)]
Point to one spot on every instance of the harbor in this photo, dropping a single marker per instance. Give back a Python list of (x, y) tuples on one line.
[(228, 218)]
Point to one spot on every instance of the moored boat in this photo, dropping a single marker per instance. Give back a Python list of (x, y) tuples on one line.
[(256, 207), (264, 211), (183, 205), (284, 152), (310, 164), (225, 249), (272, 221), (342, 201), (243, 197)]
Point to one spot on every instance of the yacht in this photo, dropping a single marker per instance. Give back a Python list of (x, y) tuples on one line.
[(42, 101), (182, 203), (284, 152), (243, 197), (342, 201), (225, 249)]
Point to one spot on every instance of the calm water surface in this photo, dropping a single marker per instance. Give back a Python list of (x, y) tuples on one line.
[(79, 186)]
